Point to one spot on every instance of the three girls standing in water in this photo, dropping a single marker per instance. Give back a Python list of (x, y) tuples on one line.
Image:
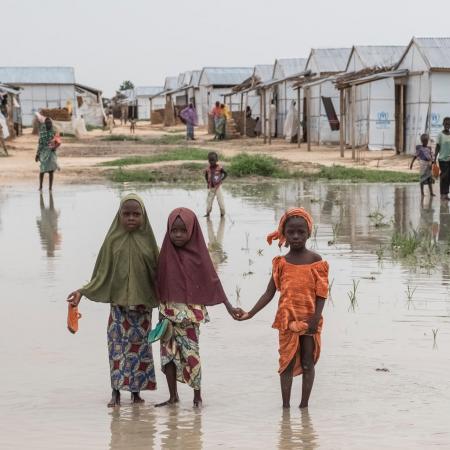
[(181, 281)]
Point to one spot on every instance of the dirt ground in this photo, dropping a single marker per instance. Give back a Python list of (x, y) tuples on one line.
[(79, 158)]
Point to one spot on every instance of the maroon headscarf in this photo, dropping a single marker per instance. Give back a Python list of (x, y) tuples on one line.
[(186, 274)]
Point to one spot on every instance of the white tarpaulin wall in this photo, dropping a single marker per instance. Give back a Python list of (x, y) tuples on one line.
[(35, 97), (143, 108), (440, 101), (321, 131), (285, 94), (91, 109), (374, 115)]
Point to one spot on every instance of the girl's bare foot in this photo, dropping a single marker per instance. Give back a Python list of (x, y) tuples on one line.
[(115, 399), (286, 405), (136, 398), (171, 401), (197, 398), (303, 405)]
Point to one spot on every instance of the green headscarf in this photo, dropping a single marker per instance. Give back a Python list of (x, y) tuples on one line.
[(125, 270)]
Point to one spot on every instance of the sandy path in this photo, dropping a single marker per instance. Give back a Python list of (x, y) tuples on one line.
[(79, 158)]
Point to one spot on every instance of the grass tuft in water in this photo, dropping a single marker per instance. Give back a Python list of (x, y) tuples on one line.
[(409, 295), (352, 296)]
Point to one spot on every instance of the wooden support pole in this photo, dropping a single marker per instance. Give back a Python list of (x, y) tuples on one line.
[(240, 115), (299, 127), (401, 125), (265, 114), (270, 116), (308, 117), (245, 114), (341, 123), (353, 98)]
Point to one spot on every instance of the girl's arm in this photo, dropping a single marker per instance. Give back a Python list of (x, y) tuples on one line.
[(314, 321), (233, 312), (438, 147), (262, 302), (412, 162)]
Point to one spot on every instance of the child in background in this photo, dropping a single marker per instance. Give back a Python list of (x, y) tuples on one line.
[(301, 276), (425, 156), (133, 125), (187, 284), (214, 176)]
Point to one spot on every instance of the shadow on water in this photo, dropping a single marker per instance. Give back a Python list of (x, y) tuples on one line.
[(297, 432), (48, 226)]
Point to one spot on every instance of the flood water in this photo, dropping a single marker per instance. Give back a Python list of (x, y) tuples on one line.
[(55, 385)]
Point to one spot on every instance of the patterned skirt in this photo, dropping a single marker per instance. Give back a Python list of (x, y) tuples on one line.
[(130, 355)]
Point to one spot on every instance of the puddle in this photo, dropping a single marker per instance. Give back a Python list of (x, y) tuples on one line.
[(56, 385)]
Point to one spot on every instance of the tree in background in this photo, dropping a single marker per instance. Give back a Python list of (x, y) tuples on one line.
[(127, 84)]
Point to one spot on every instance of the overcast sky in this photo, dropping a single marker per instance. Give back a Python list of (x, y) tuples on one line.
[(107, 41)]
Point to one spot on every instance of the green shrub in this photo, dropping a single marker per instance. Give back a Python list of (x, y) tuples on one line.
[(245, 164)]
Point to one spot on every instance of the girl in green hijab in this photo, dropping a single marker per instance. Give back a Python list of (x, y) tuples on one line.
[(124, 277)]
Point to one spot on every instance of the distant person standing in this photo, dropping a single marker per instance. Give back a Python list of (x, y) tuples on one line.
[(214, 176), (189, 115), (2, 140), (217, 118), (49, 141), (443, 155), (110, 123), (133, 125)]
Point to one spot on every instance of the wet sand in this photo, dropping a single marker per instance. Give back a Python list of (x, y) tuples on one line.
[(56, 385)]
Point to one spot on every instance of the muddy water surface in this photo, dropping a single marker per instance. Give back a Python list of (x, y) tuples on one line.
[(55, 385)]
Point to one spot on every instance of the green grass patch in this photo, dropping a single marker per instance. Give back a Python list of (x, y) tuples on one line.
[(177, 154), (166, 139), (244, 164), (93, 127), (362, 175)]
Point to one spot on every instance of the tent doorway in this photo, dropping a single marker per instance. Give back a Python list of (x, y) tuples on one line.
[(400, 108)]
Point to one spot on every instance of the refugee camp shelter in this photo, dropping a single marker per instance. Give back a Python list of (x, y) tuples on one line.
[(10, 114), (142, 96), (214, 82), (426, 91), (52, 87), (320, 95), (280, 90), (370, 98), (161, 103)]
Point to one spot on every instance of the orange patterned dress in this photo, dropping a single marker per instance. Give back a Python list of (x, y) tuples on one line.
[(299, 286)]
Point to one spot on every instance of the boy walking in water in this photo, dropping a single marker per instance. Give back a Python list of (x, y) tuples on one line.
[(214, 175)]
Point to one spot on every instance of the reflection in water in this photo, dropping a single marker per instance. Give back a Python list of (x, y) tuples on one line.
[(48, 226), (132, 427), (297, 432), (215, 242), (183, 430)]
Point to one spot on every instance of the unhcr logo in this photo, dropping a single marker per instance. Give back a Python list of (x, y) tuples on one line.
[(382, 119), (436, 121)]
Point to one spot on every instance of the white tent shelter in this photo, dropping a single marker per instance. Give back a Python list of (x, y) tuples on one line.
[(142, 96), (281, 91), (427, 93), (371, 97), (53, 87), (214, 82), (322, 96)]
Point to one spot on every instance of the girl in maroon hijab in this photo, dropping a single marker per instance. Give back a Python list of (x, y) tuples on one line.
[(187, 284)]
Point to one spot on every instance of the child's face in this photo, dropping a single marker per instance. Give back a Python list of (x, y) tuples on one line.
[(131, 216), (179, 233), (424, 140), (212, 160), (296, 232), (446, 125)]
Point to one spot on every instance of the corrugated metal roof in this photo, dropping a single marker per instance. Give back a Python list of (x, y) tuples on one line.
[(373, 56), (226, 76), (289, 66), (37, 75), (195, 78), (331, 60), (147, 91), (435, 50), (170, 83), (264, 72)]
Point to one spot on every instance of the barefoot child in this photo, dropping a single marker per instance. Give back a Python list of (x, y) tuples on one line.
[(215, 174), (301, 276), (187, 284), (124, 276), (425, 156)]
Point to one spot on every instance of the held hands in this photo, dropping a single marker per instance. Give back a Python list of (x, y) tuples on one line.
[(243, 315), (74, 298)]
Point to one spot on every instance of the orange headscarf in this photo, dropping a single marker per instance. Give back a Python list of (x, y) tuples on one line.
[(292, 212)]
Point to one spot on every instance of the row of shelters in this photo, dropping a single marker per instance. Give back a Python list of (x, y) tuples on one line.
[(53, 88)]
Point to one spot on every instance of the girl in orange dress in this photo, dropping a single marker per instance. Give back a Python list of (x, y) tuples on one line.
[(301, 276)]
